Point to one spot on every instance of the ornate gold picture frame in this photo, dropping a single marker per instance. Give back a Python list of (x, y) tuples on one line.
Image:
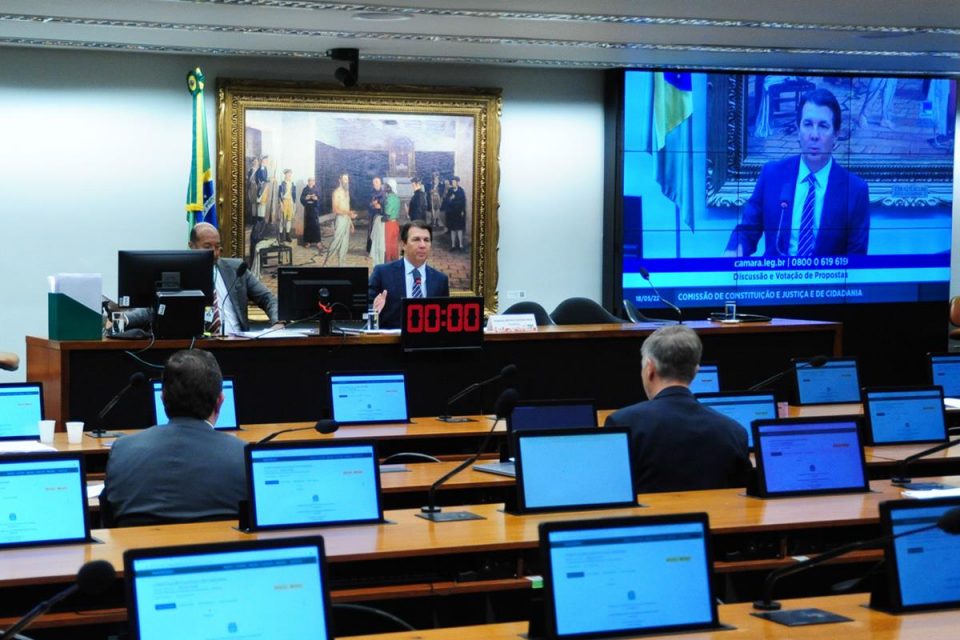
[(272, 137)]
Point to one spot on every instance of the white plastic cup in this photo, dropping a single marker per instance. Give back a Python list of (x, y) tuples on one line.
[(74, 432), (47, 427)]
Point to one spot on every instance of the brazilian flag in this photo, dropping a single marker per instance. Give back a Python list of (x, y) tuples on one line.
[(201, 197)]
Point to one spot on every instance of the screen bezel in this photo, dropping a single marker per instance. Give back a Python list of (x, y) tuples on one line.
[(521, 504), (719, 379), (740, 394), (796, 379), (346, 423), (546, 528), (930, 356), (555, 402), (217, 427), (355, 278), (869, 438), (25, 385), (132, 555), (254, 525), (133, 267), (762, 491), (51, 457)]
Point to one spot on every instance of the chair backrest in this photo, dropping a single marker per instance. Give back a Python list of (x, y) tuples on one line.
[(528, 306), (582, 311), (631, 310)]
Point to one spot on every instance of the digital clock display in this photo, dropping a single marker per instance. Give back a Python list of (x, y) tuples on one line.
[(442, 323)]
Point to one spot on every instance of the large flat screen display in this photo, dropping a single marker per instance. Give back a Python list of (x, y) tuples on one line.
[(776, 190)]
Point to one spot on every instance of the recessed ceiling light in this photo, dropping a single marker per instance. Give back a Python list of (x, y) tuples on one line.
[(380, 16)]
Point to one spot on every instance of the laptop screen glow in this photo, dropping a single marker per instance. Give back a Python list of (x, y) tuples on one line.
[(744, 409), (614, 581), (526, 417), (945, 371), (21, 409), (906, 416), (575, 469), (927, 563), (256, 593), (707, 379), (368, 398), (835, 381), (228, 410), (42, 500), (811, 456), (304, 485)]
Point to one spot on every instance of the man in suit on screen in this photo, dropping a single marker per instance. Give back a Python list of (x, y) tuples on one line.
[(408, 277), (807, 205)]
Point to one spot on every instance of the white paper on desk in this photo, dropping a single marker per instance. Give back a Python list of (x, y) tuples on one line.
[(930, 493), (24, 446), (951, 403), (85, 288), (94, 489)]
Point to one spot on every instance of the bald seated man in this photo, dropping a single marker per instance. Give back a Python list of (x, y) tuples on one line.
[(9, 361)]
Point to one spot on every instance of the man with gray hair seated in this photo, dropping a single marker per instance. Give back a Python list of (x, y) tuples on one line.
[(679, 444)]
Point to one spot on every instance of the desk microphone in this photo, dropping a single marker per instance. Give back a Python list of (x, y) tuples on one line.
[(901, 479), (93, 579), (505, 403), (815, 362), (136, 379), (508, 373), (949, 523), (325, 425), (646, 276)]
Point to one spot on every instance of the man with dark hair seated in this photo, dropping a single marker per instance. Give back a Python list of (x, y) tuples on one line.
[(184, 470), (679, 444)]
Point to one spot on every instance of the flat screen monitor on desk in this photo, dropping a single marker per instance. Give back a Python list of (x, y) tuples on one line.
[(21, 410), (620, 577), (43, 499), (945, 371), (835, 382), (742, 406), (904, 415), (299, 290), (252, 589), (226, 421), (368, 398), (707, 379)]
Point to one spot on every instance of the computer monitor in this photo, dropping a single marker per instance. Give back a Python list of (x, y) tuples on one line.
[(835, 382), (809, 456), (43, 499), (298, 291), (707, 379), (21, 410), (945, 371), (251, 589), (573, 469), (742, 406), (621, 577), (368, 398), (904, 415), (309, 483), (226, 421), (922, 567), (142, 273), (531, 415)]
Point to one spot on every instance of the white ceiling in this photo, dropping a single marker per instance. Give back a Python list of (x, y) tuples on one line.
[(889, 35)]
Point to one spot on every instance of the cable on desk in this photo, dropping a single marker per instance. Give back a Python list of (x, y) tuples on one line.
[(361, 608)]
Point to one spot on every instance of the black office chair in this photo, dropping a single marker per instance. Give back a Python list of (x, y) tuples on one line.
[(635, 316), (539, 313), (582, 311)]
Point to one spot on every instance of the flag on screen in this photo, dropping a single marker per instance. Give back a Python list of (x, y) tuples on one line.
[(672, 140), (201, 197)]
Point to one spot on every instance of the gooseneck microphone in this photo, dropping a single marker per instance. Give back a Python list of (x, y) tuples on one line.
[(507, 373), (646, 276), (902, 480), (136, 379), (949, 523), (93, 579), (326, 425), (815, 363), (504, 407)]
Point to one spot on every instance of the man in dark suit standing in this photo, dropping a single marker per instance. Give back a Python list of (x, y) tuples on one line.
[(807, 205), (679, 444), (408, 277), (182, 471)]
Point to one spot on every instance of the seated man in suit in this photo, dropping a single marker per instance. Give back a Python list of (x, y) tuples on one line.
[(234, 285), (807, 205), (184, 470), (408, 277), (679, 444)]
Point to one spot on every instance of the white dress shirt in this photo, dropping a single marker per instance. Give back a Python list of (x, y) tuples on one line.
[(408, 270)]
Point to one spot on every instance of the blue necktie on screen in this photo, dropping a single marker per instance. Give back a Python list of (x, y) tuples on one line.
[(417, 291), (805, 242)]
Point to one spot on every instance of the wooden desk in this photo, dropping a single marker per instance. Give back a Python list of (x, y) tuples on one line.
[(282, 380), (867, 625)]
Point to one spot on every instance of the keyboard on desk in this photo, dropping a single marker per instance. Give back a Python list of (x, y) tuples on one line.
[(508, 469)]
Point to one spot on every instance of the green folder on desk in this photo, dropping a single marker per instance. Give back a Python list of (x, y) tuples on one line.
[(73, 307)]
